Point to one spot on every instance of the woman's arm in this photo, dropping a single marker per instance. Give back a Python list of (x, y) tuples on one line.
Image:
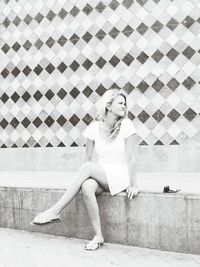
[(89, 149), (131, 156)]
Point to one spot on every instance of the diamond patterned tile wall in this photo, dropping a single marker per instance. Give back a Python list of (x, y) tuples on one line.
[(58, 58)]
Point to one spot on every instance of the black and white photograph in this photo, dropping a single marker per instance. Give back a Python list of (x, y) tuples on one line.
[(100, 133)]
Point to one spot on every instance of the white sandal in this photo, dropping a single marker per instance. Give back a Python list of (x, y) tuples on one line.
[(40, 219)]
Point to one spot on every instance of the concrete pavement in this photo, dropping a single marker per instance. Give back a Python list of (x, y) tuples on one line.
[(25, 249)]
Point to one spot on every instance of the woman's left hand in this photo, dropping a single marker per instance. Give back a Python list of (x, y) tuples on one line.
[(132, 191)]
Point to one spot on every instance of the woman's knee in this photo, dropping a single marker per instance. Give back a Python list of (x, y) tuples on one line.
[(85, 169), (89, 187)]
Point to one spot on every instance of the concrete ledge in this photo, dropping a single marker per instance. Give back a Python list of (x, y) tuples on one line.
[(168, 222)]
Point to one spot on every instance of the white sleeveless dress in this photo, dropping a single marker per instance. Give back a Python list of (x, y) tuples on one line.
[(111, 154)]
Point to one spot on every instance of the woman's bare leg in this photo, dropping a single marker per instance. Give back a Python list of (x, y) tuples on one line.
[(88, 170), (90, 188)]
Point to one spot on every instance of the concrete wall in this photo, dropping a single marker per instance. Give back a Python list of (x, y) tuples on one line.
[(166, 222), (182, 158)]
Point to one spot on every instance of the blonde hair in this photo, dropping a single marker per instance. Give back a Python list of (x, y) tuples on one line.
[(106, 101)]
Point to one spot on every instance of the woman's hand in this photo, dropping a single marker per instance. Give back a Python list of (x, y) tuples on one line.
[(132, 191)]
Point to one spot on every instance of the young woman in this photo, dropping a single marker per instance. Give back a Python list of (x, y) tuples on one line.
[(113, 137)]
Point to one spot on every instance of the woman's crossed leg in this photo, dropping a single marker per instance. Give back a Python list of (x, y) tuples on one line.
[(92, 171)]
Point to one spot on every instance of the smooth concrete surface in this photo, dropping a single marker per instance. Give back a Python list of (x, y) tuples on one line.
[(25, 249), (189, 183), (172, 158), (168, 222)]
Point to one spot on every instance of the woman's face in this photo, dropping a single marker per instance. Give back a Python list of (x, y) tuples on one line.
[(118, 106)]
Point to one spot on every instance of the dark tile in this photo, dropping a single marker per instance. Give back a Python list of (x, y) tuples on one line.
[(100, 7), (190, 114), (17, 21), (87, 9), (38, 44), (62, 40), (5, 73), (74, 120), (15, 97), (87, 37), (142, 28), (6, 22), (37, 95), (158, 115), (189, 83), (173, 115), (38, 69), (74, 92), (127, 31), (74, 38), (39, 17), (100, 62), (61, 144), (27, 45), (142, 2), (49, 121), (173, 84), (113, 5), (37, 122), (62, 93), (187, 22), (74, 11), (87, 91), (143, 116), (143, 86), (128, 59), (4, 123), (143, 143), (127, 3), (157, 56), (26, 70), (5, 48), (114, 61), (100, 90), (50, 42), (14, 123), (158, 85), (157, 26), (174, 142), (158, 143), (62, 13), (74, 66), (26, 96), (4, 98), (87, 119), (142, 58), (49, 94), (16, 46), (15, 72), (62, 67), (172, 24), (25, 122), (128, 88), (74, 144), (131, 116), (114, 32), (28, 19), (172, 54), (188, 52), (50, 68), (51, 15), (87, 64), (100, 35), (61, 120)]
